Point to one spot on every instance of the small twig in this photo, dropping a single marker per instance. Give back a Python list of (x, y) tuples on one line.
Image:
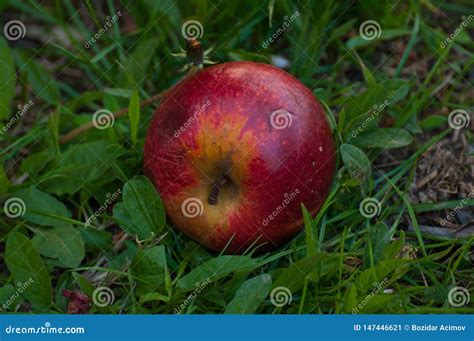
[(122, 112)]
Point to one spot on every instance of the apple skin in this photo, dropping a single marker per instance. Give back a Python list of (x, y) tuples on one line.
[(235, 150)]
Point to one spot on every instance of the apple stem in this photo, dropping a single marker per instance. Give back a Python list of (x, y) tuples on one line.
[(216, 187)]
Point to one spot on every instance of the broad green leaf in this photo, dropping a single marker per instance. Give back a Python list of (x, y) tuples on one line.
[(215, 269), (379, 236), (42, 208), (357, 163), (25, 264), (142, 213), (385, 34), (350, 299), (149, 270), (62, 243), (134, 115), (96, 240), (293, 276), (433, 122), (8, 298), (384, 138), (250, 295), (80, 166), (7, 80)]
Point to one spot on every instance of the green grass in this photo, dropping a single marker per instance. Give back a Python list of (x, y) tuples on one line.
[(342, 261)]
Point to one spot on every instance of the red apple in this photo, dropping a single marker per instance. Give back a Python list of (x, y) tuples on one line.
[(234, 151)]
